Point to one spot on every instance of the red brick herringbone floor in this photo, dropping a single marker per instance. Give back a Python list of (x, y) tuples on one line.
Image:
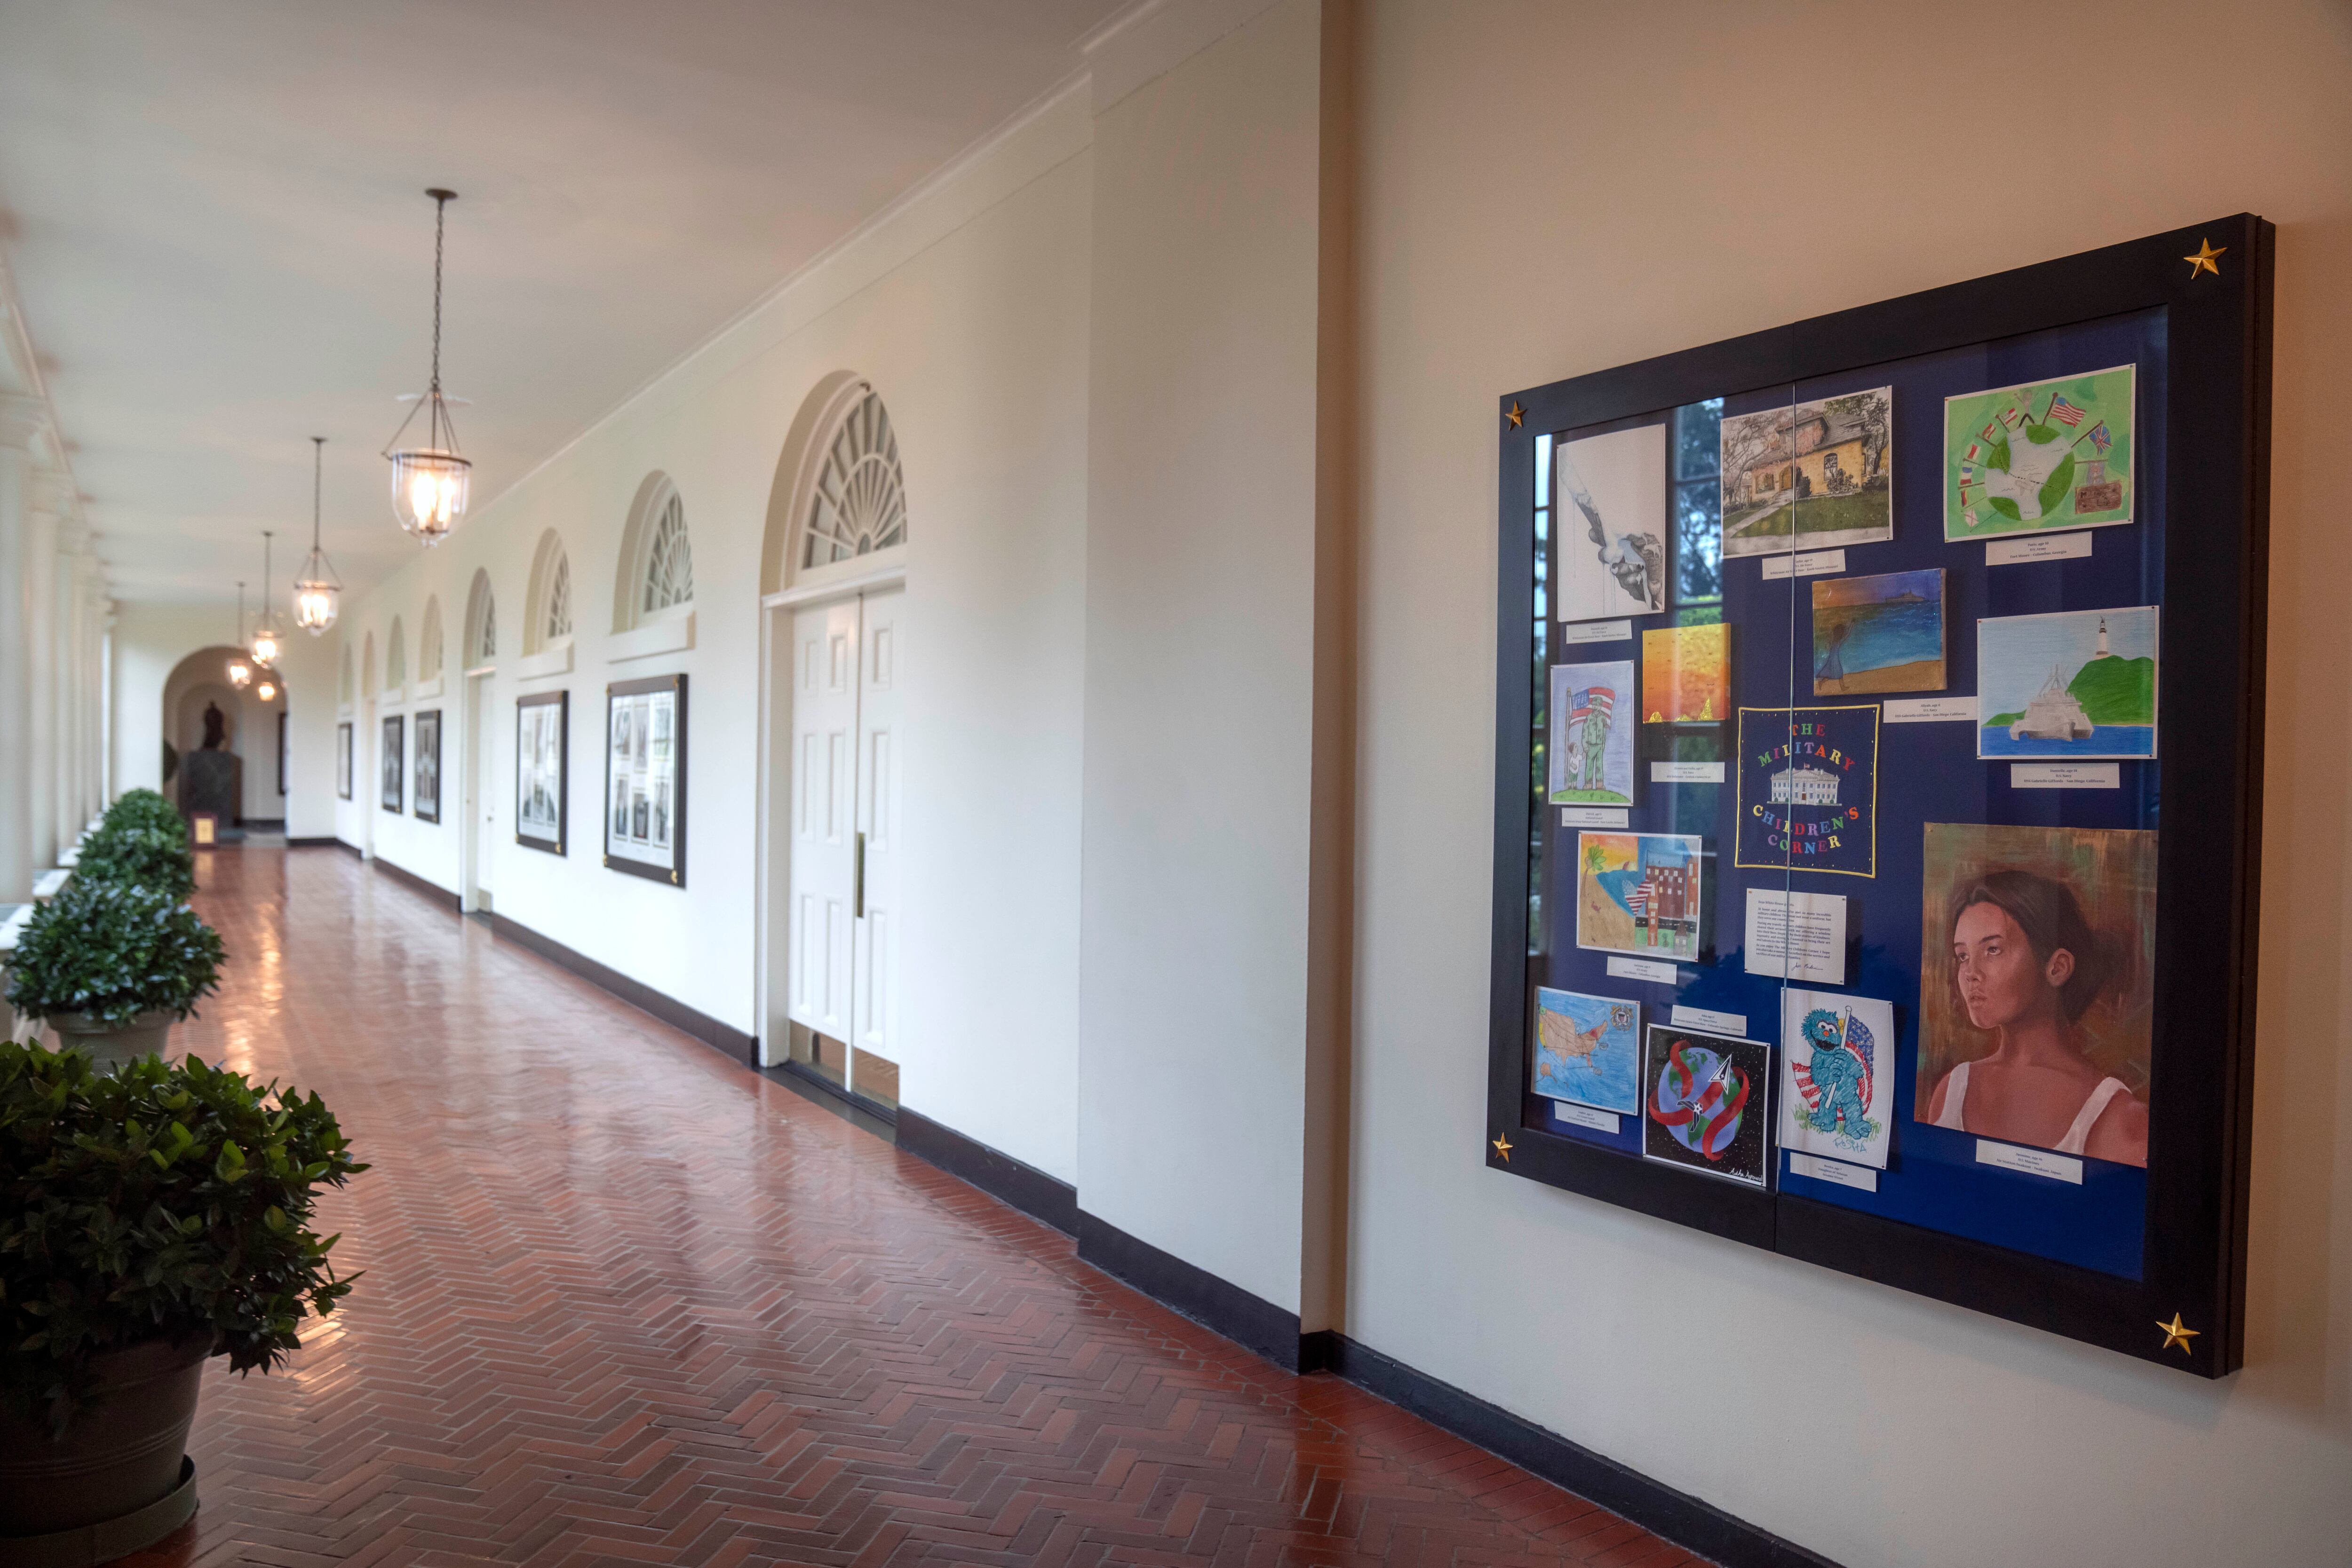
[(629, 1304)]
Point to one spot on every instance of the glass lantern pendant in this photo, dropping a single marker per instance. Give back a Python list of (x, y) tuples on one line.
[(239, 672), (264, 648), (429, 482), (318, 592)]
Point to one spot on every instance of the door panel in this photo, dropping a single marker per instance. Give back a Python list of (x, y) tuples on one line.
[(823, 853), (877, 799)]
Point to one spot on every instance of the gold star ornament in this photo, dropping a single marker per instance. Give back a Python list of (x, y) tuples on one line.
[(1516, 415), (2203, 260), (1503, 1147), (2179, 1334)]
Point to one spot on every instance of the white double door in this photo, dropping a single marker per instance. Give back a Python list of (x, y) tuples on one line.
[(846, 914)]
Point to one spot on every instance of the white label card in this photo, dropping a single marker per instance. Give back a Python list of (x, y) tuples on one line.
[(1642, 969), (2036, 546), (1597, 631), (1592, 816), (1797, 936), (2032, 1162), (1928, 710), (1804, 563), (1733, 1024), (2066, 775), (1686, 773), (1838, 1171), (1586, 1116)]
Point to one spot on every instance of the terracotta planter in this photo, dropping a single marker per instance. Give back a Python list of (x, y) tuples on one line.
[(114, 1043), (123, 1457)]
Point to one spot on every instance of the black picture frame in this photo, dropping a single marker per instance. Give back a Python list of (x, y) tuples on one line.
[(343, 760), (392, 765), (652, 839), (2215, 464), (424, 760), (559, 720), (281, 750)]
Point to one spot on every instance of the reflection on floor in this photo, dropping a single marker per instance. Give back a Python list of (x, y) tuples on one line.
[(628, 1303)]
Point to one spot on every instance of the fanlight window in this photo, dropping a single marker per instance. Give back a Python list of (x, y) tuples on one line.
[(343, 685), (428, 641), (396, 658), (485, 647), (860, 503), (669, 561), (559, 600)]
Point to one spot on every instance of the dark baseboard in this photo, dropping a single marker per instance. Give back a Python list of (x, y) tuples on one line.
[(1687, 1522), (733, 1043), (328, 842), (263, 824), (1023, 1186), (439, 894), (1250, 1322)]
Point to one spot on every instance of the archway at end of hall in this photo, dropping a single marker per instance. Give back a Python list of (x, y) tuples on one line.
[(224, 744)]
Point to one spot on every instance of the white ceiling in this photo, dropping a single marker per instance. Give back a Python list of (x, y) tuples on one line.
[(214, 211)]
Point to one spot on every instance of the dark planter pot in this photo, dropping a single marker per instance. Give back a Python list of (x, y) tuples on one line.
[(115, 1044), (122, 1457)]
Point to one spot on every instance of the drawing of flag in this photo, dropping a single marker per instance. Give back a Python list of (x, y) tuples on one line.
[(1967, 519), (1974, 448), (2011, 418), (1968, 475), (2092, 471), (2066, 412), (1859, 1041), (2099, 436), (1991, 431)]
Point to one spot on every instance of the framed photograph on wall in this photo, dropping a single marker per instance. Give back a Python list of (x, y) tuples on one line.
[(281, 750), (425, 798), (645, 778), (343, 761), (392, 764), (542, 770)]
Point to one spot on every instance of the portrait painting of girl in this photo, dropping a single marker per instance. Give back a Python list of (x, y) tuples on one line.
[(2037, 1031)]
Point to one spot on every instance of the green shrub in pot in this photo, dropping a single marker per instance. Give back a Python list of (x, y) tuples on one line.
[(164, 1201), (112, 955), (145, 809), (149, 857)]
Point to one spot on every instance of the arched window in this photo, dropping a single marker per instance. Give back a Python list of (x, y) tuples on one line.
[(857, 503), (550, 607), (428, 641), (657, 577), (343, 680), (481, 622), (396, 658), (367, 667)]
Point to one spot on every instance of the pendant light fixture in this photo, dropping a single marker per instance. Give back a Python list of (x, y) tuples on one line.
[(429, 482), (265, 644), (318, 593), (266, 691), (239, 672)]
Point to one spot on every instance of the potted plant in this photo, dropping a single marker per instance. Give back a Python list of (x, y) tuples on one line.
[(145, 809), (149, 856), (111, 965), (149, 1218)]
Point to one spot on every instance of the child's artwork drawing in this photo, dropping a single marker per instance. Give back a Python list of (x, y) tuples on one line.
[(1638, 893), (1686, 674), (2037, 458), (1592, 743), (1810, 476), (1878, 633), (1837, 1075), (1612, 530), (1708, 1104), (1589, 1050), (2076, 685)]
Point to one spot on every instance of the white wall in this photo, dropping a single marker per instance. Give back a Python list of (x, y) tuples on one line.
[(1552, 190), (1201, 616), (967, 309)]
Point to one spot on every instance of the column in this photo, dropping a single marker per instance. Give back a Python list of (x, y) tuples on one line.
[(49, 640), (20, 419)]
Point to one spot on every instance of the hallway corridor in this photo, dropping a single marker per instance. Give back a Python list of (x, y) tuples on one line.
[(627, 1303)]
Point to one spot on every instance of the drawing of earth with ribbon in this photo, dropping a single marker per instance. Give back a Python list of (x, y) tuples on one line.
[(1699, 1098)]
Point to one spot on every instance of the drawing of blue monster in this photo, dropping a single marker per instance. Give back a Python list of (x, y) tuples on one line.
[(1836, 1085)]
